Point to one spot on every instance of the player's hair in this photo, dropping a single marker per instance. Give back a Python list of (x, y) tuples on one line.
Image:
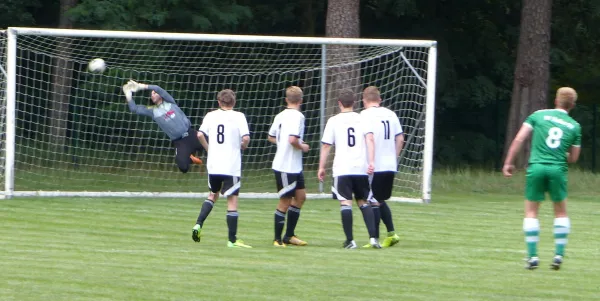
[(226, 97), (371, 93), (566, 97), (347, 98), (293, 94)]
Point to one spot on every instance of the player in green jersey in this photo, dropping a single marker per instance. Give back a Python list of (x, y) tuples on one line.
[(556, 141)]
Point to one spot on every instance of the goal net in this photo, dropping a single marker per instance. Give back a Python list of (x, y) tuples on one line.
[(66, 131)]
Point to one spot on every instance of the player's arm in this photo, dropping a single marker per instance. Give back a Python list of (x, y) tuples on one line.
[(135, 86), (137, 109), (327, 141), (575, 149), (203, 130), (244, 132), (399, 143), (273, 132), (162, 92), (515, 148), (370, 152), (573, 154), (325, 148), (399, 137), (203, 140)]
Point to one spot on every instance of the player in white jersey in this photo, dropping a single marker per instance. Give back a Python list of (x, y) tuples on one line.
[(287, 132), (228, 133), (389, 140), (354, 160)]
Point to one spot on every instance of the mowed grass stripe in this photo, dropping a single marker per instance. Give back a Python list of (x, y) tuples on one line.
[(464, 247)]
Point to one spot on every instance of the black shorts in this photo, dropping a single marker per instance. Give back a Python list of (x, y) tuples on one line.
[(185, 146), (345, 186), (382, 183), (227, 185), (287, 183)]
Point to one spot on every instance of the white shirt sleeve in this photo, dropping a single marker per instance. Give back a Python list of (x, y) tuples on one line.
[(243, 126), (274, 128), (366, 126), (397, 127), (328, 133), (205, 127), (296, 125)]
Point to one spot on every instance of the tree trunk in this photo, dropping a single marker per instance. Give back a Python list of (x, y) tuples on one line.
[(532, 70), (342, 22), (61, 82)]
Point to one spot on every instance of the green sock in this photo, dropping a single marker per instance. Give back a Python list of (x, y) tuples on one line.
[(531, 227), (562, 227)]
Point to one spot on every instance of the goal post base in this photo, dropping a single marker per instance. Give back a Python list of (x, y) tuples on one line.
[(194, 195)]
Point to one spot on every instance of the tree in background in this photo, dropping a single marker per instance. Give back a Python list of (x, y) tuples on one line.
[(343, 21), (532, 70), (62, 78)]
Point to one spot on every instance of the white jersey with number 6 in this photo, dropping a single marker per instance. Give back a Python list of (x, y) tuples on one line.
[(386, 126), (224, 129), (347, 132), (290, 122)]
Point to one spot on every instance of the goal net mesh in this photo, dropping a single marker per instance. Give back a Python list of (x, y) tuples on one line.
[(74, 131)]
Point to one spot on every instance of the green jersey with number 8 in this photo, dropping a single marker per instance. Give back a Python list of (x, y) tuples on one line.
[(554, 132)]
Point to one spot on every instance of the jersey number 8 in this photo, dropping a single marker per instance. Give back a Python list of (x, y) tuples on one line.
[(554, 135)]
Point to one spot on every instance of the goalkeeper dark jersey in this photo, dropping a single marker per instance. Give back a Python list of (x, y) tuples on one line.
[(167, 115)]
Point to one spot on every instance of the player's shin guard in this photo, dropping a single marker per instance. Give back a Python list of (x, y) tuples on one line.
[(207, 207), (367, 213), (376, 218), (386, 216), (293, 215), (232, 223), (562, 227), (279, 223), (347, 221), (531, 227)]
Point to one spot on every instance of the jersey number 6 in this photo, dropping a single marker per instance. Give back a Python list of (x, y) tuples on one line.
[(351, 138)]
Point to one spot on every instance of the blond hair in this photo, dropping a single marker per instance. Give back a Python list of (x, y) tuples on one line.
[(566, 98), (293, 94), (371, 93), (226, 97)]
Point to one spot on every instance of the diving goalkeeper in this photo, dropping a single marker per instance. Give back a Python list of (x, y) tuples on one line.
[(170, 119)]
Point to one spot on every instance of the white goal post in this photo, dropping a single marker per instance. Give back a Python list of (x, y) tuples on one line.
[(68, 132)]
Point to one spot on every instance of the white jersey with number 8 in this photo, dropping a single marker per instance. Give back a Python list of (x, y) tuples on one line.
[(224, 129)]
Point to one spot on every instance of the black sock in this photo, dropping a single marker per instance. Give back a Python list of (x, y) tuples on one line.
[(367, 213), (279, 223), (347, 221), (207, 207), (232, 223), (293, 215), (386, 216), (376, 219)]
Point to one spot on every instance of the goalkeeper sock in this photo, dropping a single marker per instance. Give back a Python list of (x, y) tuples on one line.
[(293, 215), (367, 213), (207, 207), (562, 227), (347, 221), (531, 227), (232, 222), (376, 219), (386, 216), (279, 223)]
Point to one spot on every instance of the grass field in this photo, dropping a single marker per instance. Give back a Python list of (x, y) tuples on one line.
[(466, 245)]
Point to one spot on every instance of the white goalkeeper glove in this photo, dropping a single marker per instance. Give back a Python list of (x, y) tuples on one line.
[(127, 89), (135, 86)]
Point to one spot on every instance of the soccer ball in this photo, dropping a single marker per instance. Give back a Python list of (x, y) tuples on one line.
[(97, 66)]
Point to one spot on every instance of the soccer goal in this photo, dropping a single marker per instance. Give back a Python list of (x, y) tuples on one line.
[(68, 132)]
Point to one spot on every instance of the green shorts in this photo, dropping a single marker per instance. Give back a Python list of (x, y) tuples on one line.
[(542, 178)]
